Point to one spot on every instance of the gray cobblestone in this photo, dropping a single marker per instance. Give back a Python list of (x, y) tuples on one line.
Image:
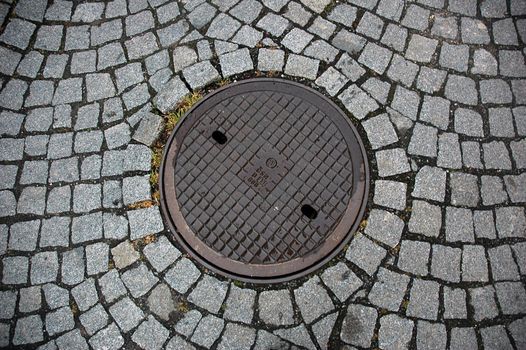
[(270, 301), (454, 303), (85, 294), (150, 334), (365, 254), (358, 103), (512, 297), (28, 330), (111, 286), (349, 42), (59, 321), (503, 266), (484, 224), (495, 337), (392, 162), (384, 227), (200, 74), (55, 296), (30, 299), (110, 55), (341, 281), (395, 332), (309, 291), (424, 299), (161, 254), (423, 141), (414, 256), (388, 290), (430, 183), (188, 323), (302, 67), (236, 336), (235, 62), (183, 275), (108, 338), (496, 155), (209, 294), (23, 235), (207, 331), (73, 266), (239, 305), (511, 221), (445, 263), (459, 225), (126, 313), (402, 70)]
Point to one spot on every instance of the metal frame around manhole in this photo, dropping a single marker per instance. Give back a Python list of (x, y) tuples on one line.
[(341, 232)]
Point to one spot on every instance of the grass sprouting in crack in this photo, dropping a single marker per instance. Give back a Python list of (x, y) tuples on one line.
[(170, 121)]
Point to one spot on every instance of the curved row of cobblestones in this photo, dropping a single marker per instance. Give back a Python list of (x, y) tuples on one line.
[(437, 89)]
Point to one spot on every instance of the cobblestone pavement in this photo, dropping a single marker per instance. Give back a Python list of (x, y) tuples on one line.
[(436, 87)]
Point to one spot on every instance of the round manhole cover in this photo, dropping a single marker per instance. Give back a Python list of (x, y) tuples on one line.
[(264, 180)]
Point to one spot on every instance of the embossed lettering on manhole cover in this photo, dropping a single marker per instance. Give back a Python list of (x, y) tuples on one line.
[(264, 180)]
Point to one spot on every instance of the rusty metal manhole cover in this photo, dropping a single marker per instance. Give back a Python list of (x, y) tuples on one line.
[(264, 180)]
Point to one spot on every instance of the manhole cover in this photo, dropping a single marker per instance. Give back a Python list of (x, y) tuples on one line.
[(264, 180)]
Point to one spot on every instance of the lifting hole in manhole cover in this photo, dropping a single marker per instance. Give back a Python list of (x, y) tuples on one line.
[(264, 180)]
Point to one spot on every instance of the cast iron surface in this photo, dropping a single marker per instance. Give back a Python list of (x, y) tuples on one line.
[(264, 180)]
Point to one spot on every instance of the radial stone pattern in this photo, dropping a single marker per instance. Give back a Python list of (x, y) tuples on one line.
[(435, 88)]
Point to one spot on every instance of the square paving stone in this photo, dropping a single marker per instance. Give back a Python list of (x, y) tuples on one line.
[(390, 194), (483, 302), (464, 189), (414, 257), (474, 31), (24, 235), (236, 336), (341, 281), (273, 24), (86, 227), (235, 62), (312, 290), (495, 337), (144, 222), (55, 232), (15, 270), (200, 74), (349, 42), (445, 263), (423, 141), (395, 332), (332, 80), (150, 334), (59, 321), (240, 304), (496, 155), (270, 301), (124, 255), (430, 183), (512, 297), (209, 294), (388, 290), (30, 299), (109, 338), (36, 145), (28, 330), (18, 33), (126, 314), (392, 162), (73, 266), (459, 225), (421, 49), (8, 300), (97, 258), (187, 324), (302, 67), (468, 122), (380, 131), (44, 267), (183, 275), (365, 254), (357, 102), (111, 286), (511, 221), (139, 280), (208, 331), (454, 303), (503, 266), (85, 294), (484, 224), (424, 299), (7, 204), (375, 57), (358, 325), (32, 200), (384, 227), (161, 253), (55, 296), (429, 335), (87, 117)]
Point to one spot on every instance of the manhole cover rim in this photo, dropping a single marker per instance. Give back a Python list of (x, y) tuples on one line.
[(275, 272)]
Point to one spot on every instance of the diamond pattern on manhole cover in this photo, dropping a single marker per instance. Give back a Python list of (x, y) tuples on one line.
[(264, 180)]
